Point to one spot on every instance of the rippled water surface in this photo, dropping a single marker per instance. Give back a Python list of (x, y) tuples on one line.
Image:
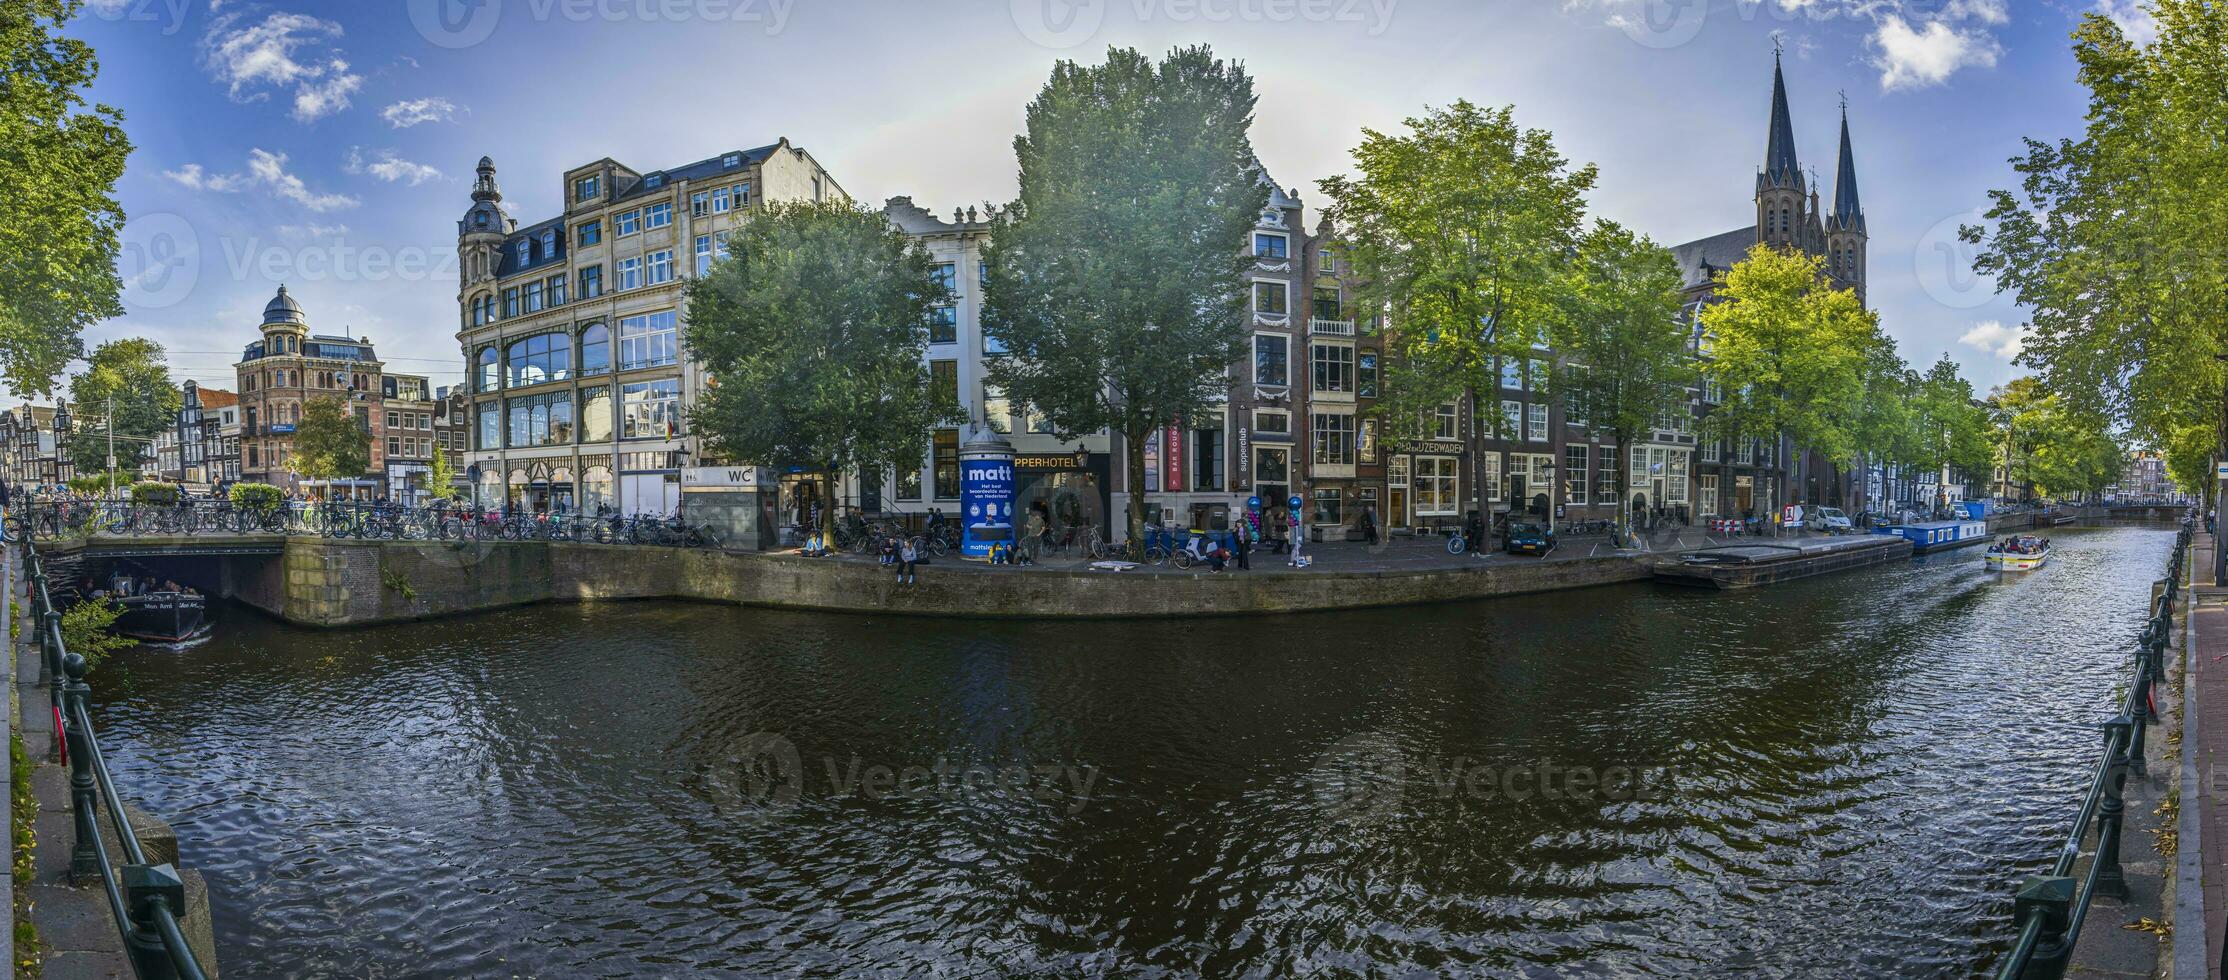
[(1837, 777)]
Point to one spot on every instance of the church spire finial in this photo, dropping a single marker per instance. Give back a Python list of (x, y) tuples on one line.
[(1848, 212), (1780, 166)]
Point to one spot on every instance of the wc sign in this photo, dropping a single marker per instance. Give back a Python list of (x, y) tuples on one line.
[(985, 504)]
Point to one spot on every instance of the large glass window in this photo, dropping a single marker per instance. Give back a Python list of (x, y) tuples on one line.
[(541, 420), (1270, 298), (997, 409), (590, 233), (1605, 475), (1271, 246), (1206, 455), (1435, 482), (595, 414), (650, 409), (1575, 459), (1271, 360), (591, 282), (595, 349), (629, 223), (1334, 367), (1327, 304), (630, 273), (490, 374), (943, 382), (1535, 422), (1334, 439), (658, 215), (659, 270), (491, 425), (648, 340), (1365, 375), (540, 358), (947, 464), (943, 325)]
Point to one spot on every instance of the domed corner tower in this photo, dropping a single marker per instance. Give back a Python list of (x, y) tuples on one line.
[(1783, 213), (480, 234), (285, 326)]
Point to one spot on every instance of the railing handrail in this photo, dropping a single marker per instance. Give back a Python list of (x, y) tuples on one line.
[(142, 902), (2049, 908), (57, 519)]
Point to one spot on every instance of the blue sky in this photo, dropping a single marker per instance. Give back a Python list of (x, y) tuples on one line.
[(329, 145)]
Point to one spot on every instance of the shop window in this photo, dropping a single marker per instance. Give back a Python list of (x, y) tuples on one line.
[(1435, 482)]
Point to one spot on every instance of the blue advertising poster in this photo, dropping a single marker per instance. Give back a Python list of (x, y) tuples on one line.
[(985, 503)]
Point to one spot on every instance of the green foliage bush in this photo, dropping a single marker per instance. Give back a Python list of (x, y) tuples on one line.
[(155, 494), (261, 498)]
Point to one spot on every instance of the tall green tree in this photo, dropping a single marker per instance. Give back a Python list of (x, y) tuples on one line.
[(1460, 231), (2112, 239), (1883, 429), (1789, 354), (440, 475), (59, 217), (2016, 413), (1625, 351), (1949, 429), (814, 331), (131, 379), (1116, 280), (330, 443)]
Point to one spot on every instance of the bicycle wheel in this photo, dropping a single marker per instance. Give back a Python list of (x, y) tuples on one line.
[(1183, 559)]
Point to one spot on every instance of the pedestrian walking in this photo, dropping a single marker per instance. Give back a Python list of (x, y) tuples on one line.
[(1241, 545), (907, 554), (1369, 525)]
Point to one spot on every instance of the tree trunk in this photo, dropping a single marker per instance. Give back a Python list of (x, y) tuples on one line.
[(1137, 488)]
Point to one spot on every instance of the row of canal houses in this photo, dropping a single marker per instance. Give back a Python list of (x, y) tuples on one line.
[(579, 383)]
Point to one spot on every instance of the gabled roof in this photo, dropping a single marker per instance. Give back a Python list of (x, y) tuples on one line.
[(1700, 259)]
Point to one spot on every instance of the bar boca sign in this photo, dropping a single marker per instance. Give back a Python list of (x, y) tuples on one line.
[(986, 504)]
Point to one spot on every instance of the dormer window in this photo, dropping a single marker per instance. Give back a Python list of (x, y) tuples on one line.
[(586, 188), (654, 180), (549, 243), (731, 160), (525, 251)]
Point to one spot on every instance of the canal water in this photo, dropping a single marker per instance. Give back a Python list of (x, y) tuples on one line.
[(1838, 777)]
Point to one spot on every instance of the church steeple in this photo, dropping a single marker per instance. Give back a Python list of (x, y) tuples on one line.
[(1780, 168), (1847, 212)]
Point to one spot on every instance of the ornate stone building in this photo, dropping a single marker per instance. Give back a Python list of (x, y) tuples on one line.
[(571, 325), (285, 370)]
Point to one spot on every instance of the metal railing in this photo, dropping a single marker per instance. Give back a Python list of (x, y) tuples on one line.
[(2050, 908), (145, 899), (56, 520)]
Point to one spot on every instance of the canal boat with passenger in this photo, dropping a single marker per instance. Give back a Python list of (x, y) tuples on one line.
[(2019, 553)]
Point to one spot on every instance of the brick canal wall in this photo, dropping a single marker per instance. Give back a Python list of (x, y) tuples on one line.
[(323, 582)]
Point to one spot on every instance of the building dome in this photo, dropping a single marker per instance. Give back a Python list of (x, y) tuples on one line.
[(283, 309)]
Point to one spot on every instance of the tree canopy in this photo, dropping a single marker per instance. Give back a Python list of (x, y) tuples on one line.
[(330, 443), (1789, 353), (132, 376), (1948, 428), (59, 218), (1626, 360), (1116, 284), (2112, 239), (1460, 231), (813, 330)]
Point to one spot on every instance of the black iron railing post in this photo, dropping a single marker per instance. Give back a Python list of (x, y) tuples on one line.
[(149, 889), (2111, 881), (85, 861), (2048, 901)]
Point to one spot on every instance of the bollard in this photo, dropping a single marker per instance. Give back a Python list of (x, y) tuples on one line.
[(2111, 881), (85, 862), (147, 888), (2049, 900)]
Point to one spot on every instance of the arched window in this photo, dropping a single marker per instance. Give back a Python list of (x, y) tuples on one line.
[(540, 358), (490, 375), (595, 349)]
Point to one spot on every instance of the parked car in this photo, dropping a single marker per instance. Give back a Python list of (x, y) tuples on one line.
[(1832, 520), (1527, 538)]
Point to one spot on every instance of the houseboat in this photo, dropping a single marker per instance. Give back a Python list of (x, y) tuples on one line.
[(1935, 536)]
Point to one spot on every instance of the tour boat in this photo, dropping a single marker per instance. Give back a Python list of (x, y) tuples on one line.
[(162, 617), (2019, 553)]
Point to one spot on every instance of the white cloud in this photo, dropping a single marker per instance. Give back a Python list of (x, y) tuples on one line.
[(390, 168), (191, 175), (1995, 338), (312, 230), (269, 169), (282, 51), (2135, 21), (1985, 11), (410, 112), (1926, 55)]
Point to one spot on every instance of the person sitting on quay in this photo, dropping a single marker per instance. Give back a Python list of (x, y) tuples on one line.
[(907, 555)]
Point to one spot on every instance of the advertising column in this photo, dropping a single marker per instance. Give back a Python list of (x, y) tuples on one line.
[(985, 494)]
